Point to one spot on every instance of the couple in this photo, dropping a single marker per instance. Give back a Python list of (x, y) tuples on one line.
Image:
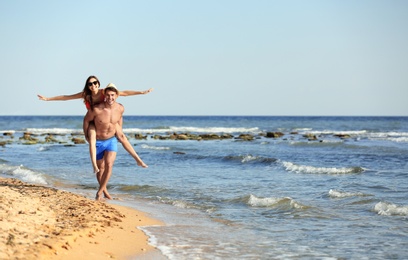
[(103, 127)]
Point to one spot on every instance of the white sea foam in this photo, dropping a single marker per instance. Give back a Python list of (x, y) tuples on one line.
[(57, 131), (249, 158), (151, 147), (181, 129), (7, 131), (301, 129), (165, 250), (390, 209), (334, 132), (343, 194), (320, 170), (215, 129), (143, 131), (263, 202), (42, 148), (22, 173), (254, 201), (320, 143), (399, 139), (180, 204), (177, 203), (389, 136)]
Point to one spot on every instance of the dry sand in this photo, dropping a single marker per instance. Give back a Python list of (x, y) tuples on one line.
[(38, 222)]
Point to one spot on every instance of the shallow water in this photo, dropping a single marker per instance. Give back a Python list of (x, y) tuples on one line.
[(343, 195)]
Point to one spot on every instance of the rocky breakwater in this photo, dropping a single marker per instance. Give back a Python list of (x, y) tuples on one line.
[(189, 136), (27, 138), (212, 136)]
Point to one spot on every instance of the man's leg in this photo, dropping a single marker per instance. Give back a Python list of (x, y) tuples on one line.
[(101, 165), (109, 159)]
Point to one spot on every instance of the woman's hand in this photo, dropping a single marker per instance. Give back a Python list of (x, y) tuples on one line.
[(148, 91), (42, 98)]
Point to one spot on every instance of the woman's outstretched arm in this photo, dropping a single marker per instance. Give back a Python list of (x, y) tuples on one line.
[(61, 98), (125, 93)]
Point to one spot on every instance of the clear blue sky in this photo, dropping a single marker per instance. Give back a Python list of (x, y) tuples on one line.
[(221, 57)]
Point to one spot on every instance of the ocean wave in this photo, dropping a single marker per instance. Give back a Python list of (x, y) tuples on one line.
[(22, 173), (184, 204), (7, 131), (144, 131), (336, 132), (133, 188), (301, 129), (190, 129), (56, 131), (320, 170), (390, 209), (228, 130), (282, 202), (399, 139), (388, 136), (43, 148), (321, 143), (151, 147), (249, 159), (343, 194), (156, 193)]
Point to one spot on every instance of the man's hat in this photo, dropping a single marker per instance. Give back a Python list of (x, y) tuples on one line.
[(111, 86)]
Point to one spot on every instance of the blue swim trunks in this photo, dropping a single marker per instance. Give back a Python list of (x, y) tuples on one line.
[(109, 145)]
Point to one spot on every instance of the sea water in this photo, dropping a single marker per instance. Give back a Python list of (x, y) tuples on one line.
[(329, 188)]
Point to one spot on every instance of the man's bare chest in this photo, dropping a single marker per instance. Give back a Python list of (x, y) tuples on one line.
[(108, 116)]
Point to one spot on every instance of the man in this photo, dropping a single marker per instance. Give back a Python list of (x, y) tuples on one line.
[(106, 116)]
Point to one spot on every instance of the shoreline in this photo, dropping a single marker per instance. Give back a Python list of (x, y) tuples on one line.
[(40, 222)]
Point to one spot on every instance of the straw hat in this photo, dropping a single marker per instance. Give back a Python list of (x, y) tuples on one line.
[(111, 85)]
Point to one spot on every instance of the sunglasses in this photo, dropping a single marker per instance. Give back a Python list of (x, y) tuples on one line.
[(93, 83)]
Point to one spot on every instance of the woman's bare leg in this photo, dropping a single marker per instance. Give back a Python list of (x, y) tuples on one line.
[(92, 147), (128, 147)]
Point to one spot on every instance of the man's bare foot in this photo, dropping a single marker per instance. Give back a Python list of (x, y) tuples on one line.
[(107, 195), (98, 197)]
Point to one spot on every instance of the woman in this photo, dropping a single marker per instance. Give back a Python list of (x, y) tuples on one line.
[(93, 95)]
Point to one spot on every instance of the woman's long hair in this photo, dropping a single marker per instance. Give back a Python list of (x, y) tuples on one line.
[(86, 92)]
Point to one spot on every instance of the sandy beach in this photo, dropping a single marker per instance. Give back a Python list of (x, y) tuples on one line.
[(39, 222)]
